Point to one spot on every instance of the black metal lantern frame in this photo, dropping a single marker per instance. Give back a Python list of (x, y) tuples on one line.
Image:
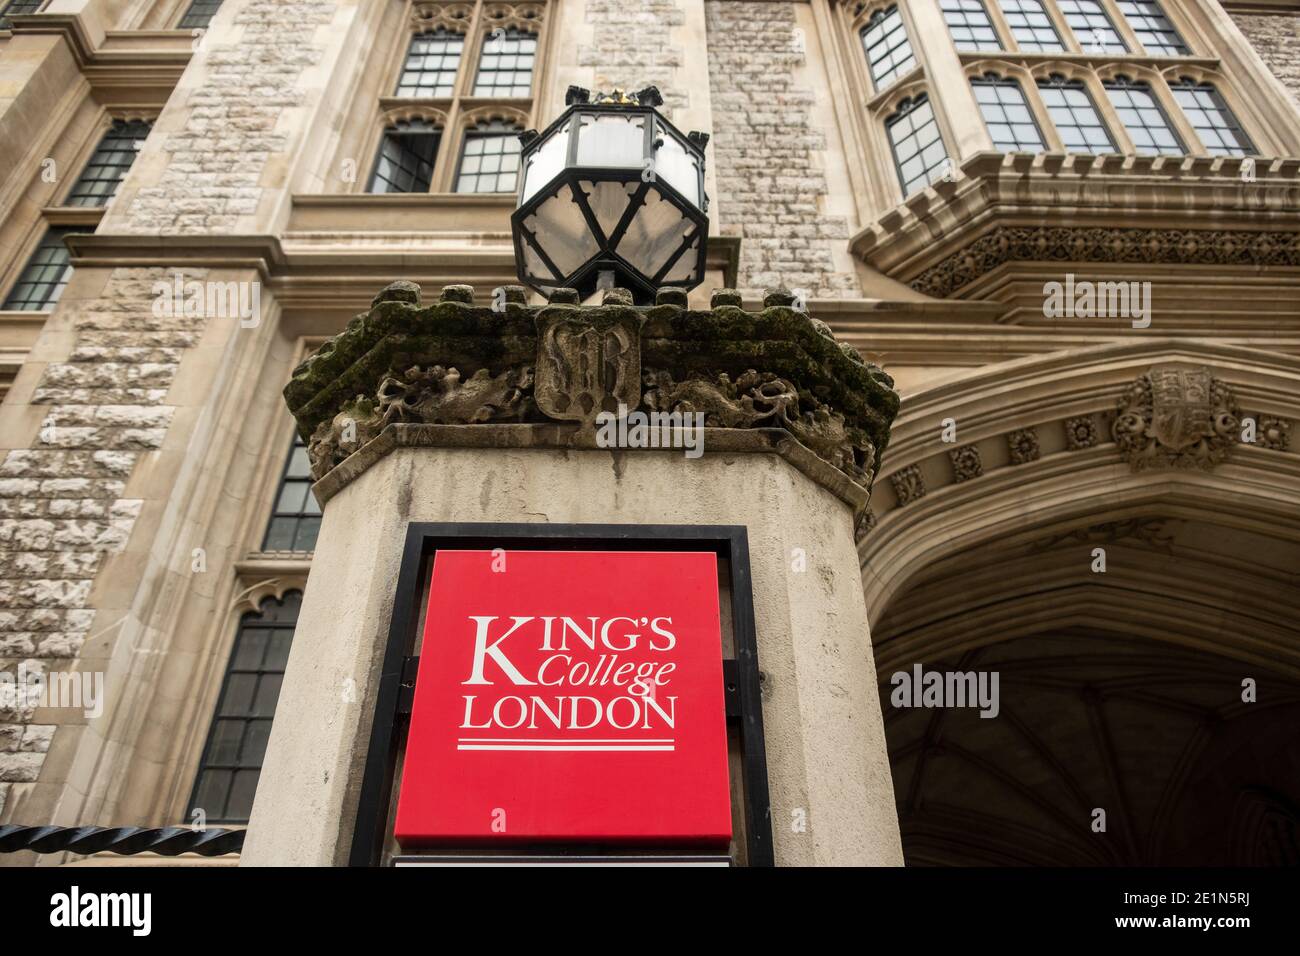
[(595, 244)]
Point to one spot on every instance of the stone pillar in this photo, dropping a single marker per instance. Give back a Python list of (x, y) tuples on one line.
[(432, 414)]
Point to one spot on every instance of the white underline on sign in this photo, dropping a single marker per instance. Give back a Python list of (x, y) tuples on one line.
[(564, 740), (534, 746)]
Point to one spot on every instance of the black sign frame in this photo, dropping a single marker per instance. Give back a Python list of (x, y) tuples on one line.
[(741, 677)]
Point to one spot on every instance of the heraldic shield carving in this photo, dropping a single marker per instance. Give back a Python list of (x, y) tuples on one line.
[(1176, 416), (587, 364)]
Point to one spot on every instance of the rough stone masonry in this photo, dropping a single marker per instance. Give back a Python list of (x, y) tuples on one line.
[(62, 502), (770, 180), (1276, 38)]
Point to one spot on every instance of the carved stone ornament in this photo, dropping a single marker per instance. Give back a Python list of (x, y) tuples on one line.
[(1176, 416), (1274, 433), (764, 400), (586, 366), (459, 363)]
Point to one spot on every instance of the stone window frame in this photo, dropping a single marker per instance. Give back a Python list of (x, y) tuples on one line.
[(1016, 79), (405, 114), (914, 92), (1054, 18), (468, 124), (1074, 44), (460, 112), (860, 17), (248, 620), (1092, 90), (103, 128), (1175, 78), (1094, 78)]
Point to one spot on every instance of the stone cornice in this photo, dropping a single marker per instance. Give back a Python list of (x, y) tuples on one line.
[(559, 366), (134, 60), (769, 441), (1104, 208)]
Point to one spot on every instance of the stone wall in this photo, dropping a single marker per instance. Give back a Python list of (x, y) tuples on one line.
[(1276, 37), (771, 184), (63, 508), (632, 47), (215, 165)]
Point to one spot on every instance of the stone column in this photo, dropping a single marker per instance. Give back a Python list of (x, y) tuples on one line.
[(432, 414)]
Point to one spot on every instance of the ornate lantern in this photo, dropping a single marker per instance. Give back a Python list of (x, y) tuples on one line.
[(611, 194)]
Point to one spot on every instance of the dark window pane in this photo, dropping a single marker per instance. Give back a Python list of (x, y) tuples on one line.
[(199, 14), (277, 655), (17, 6), (240, 804), (406, 156), (250, 648), (44, 277), (240, 731), (293, 523), (226, 738), (238, 699), (308, 530), (259, 732), (210, 795), (109, 164)]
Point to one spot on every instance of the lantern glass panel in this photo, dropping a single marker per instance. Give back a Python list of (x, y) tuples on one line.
[(684, 268), (612, 139), (546, 162), (562, 232), (535, 268), (608, 202), (655, 233), (677, 166)]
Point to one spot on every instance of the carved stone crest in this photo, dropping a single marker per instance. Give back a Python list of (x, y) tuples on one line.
[(1176, 416), (587, 363)]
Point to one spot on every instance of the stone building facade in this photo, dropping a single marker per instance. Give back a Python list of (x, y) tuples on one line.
[(1068, 231)]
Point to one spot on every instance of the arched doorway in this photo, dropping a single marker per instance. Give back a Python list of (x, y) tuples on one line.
[(1143, 626)]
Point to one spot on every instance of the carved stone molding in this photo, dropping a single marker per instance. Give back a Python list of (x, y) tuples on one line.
[(1273, 433), (1081, 433), (966, 463), (1022, 445), (457, 363), (1176, 416), (1107, 245), (908, 484), (1152, 532), (1193, 210)]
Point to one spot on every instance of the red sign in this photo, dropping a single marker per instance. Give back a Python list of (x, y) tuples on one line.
[(568, 695)]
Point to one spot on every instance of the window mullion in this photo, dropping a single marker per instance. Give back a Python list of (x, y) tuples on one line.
[(1123, 27), (444, 167), (474, 40)]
